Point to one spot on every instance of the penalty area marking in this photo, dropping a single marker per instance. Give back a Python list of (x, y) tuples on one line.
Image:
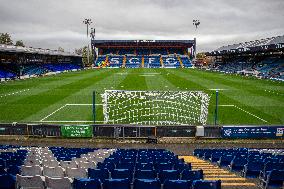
[(147, 75), (74, 121), (231, 105), (14, 93), (53, 112), (251, 114), (217, 89), (43, 120), (60, 108)]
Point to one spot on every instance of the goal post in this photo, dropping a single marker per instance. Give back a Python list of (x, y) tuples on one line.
[(155, 107)]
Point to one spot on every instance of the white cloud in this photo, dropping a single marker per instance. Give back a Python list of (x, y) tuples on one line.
[(49, 24)]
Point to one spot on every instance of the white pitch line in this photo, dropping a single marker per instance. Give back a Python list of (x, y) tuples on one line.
[(13, 93), (147, 75), (217, 89), (78, 121), (54, 112), (83, 104), (79, 104), (251, 114), (227, 105)]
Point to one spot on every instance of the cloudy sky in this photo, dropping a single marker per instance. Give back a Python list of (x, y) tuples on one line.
[(54, 23)]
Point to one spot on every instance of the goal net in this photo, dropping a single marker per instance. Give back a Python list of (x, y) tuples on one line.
[(155, 107)]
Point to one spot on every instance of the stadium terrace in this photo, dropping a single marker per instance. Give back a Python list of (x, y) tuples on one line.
[(260, 58), (144, 53)]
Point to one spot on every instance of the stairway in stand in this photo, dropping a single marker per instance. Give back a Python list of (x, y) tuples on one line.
[(229, 179), (162, 62), (124, 61), (180, 61)]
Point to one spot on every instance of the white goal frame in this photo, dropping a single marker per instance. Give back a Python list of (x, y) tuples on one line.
[(155, 107)]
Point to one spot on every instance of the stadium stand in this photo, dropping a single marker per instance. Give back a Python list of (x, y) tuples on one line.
[(6, 75), (145, 54), (62, 67), (152, 62), (60, 167), (171, 62), (265, 164), (115, 61), (133, 61), (25, 62), (261, 58)]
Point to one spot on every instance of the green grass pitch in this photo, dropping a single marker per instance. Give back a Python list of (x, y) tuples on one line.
[(67, 98)]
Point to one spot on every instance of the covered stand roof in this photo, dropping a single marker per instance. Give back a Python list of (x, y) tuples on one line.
[(18, 49), (142, 43), (271, 43)]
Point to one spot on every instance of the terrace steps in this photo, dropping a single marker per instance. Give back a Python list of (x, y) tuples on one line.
[(180, 61), (212, 172)]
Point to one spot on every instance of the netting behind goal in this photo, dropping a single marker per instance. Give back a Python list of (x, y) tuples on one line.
[(155, 107)]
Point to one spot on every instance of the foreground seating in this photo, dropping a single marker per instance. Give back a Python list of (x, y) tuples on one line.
[(265, 164), (58, 183), (101, 174), (274, 179), (7, 181), (29, 182), (147, 183), (145, 174), (116, 183), (198, 184), (86, 183), (192, 175), (252, 169), (177, 184)]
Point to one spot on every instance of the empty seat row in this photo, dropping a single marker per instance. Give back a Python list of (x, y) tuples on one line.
[(164, 175), (65, 183)]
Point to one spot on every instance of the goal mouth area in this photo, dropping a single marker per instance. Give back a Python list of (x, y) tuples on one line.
[(155, 107)]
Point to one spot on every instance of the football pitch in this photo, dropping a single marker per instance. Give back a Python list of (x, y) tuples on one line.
[(68, 98)]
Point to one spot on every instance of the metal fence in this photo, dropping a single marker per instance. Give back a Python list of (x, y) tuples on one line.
[(138, 131)]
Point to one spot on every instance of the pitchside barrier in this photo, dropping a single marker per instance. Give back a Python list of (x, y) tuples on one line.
[(138, 131)]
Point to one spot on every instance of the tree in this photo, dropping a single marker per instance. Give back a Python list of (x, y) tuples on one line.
[(85, 55), (60, 49), (79, 51), (5, 38), (20, 43), (200, 55)]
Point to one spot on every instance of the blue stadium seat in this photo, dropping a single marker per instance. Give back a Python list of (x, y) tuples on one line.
[(252, 169), (2, 163), (116, 183), (144, 166), (125, 165), (145, 174), (225, 160), (237, 164), (163, 166), (205, 184), (121, 174), (7, 182), (182, 166), (109, 166), (147, 184), (177, 184), (101, 174), (13, 170), (215, 157), (169, 175), (86, 183), (2, 170), (269, 167), (192, 175), (274, 179)]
